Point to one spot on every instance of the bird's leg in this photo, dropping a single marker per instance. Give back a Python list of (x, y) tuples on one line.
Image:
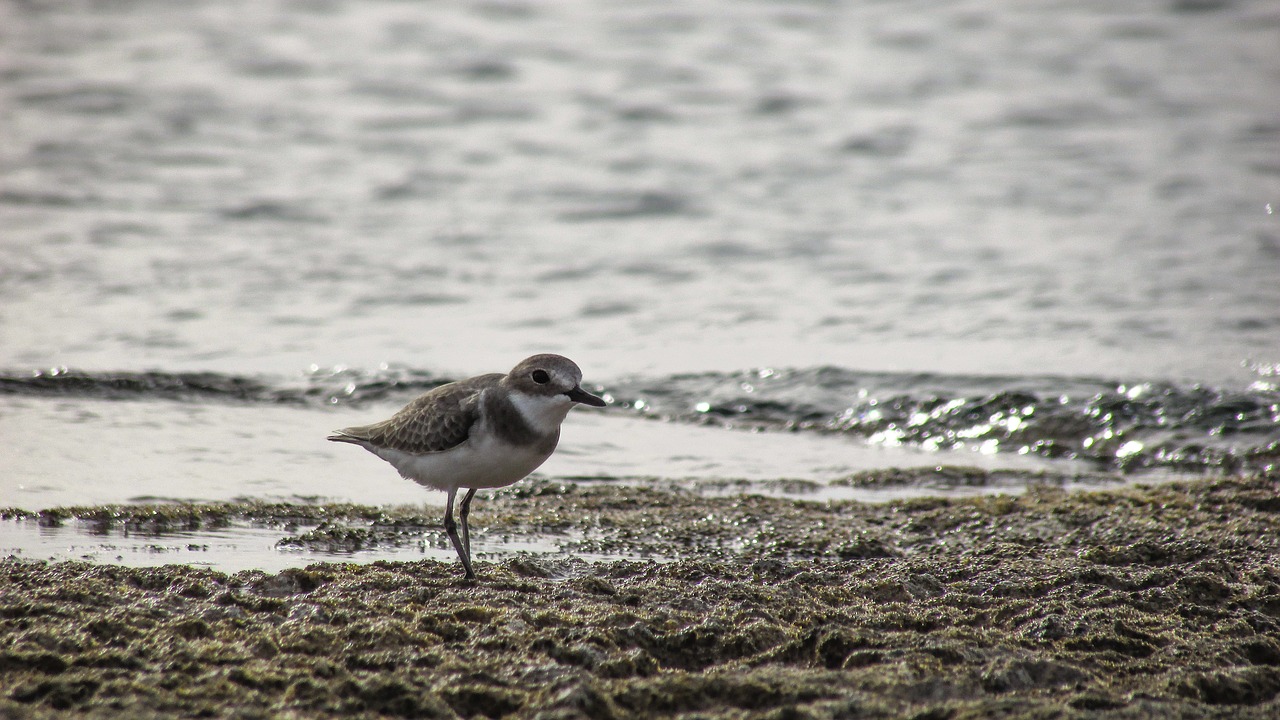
[(464, 511), (451, 528)]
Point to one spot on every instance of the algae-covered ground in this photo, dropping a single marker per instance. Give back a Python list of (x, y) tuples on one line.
[(1135, 602)]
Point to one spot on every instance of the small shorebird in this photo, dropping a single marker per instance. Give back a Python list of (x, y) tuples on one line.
[(483, 432)]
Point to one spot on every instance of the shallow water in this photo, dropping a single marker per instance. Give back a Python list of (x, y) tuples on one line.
[(790, 241), (572, 518), (242, 546)]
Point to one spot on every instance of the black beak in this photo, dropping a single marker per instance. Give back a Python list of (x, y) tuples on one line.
[(577, 394)]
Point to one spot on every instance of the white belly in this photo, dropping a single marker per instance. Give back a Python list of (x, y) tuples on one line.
[(484, 464)]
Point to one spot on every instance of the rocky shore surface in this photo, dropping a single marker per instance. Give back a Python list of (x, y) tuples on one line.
[(1135, 602)]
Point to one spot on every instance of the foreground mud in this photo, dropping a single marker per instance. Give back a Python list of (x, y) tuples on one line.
[(1141, 602)]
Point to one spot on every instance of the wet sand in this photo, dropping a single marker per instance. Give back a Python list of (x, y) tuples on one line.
[(1160, 601)]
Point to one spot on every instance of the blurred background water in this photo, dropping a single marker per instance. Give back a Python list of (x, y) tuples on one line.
[(1018, 234)]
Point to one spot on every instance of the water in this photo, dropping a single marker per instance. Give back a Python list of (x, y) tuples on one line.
[(789, 240), (232, 549)]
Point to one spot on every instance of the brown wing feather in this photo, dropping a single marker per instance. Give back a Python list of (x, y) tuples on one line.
[(435, 421)]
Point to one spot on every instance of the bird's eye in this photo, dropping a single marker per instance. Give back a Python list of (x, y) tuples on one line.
[(540, 376)]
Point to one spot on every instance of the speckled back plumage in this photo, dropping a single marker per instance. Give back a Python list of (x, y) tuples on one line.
[(437, 420)]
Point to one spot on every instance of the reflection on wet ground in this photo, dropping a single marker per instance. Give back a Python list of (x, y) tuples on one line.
[(597, 519)]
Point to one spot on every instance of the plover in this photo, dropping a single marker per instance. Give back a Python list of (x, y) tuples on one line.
[(488, 431)]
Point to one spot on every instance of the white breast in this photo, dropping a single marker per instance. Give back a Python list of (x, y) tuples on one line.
[(480, 462)]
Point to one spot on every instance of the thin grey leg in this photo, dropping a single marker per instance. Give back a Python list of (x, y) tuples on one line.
[(451, 528), (464, 511)]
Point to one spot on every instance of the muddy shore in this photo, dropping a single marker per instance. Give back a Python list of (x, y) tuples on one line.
[(1136, 602)]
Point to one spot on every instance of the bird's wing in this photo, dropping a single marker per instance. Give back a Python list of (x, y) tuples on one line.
[(438, 420)]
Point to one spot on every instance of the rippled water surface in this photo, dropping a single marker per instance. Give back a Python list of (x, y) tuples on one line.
[(874, 233), (646, 186)]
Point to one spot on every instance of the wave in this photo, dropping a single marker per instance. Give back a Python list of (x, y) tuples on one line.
[(330, 387), (1117, 425)]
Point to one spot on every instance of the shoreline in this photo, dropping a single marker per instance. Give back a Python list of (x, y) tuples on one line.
[(603, 518), (1146, 601)]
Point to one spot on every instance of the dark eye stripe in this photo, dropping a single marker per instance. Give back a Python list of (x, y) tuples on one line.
[(540, 376)]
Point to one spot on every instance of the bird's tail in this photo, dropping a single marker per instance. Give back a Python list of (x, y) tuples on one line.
[(344, 436)]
